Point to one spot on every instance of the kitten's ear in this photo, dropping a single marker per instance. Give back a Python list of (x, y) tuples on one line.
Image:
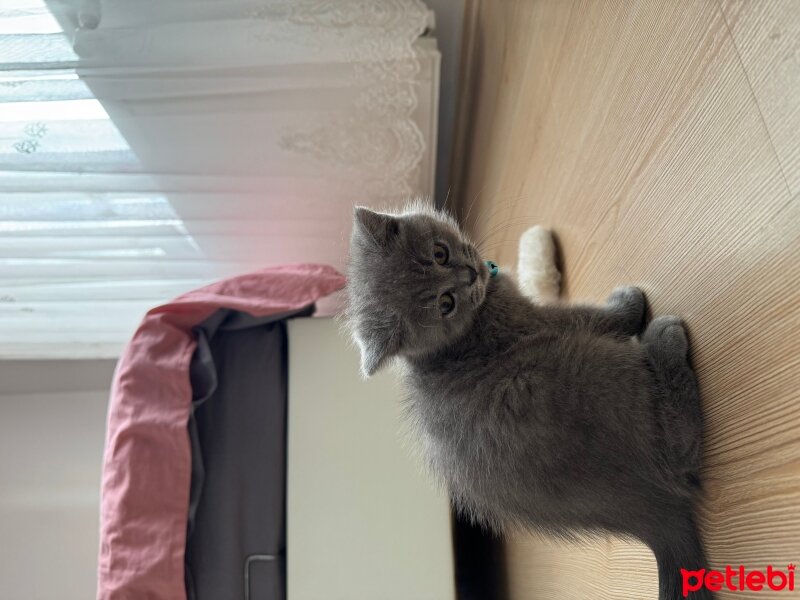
[(376, 348), (378, 226)]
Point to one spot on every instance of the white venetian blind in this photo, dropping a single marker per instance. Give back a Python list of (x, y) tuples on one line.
[(150, 147)]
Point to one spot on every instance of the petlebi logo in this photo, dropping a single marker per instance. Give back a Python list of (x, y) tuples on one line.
[(738, 580)]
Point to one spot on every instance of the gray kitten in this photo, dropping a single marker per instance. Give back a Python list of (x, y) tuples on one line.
[(547, 417)]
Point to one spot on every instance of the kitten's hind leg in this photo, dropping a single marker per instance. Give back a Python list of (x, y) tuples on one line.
[(537, 274), (627, 308), (678, 407)]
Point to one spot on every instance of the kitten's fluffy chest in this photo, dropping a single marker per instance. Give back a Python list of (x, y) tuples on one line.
[(468, 406), (466, 390), (470, 435)]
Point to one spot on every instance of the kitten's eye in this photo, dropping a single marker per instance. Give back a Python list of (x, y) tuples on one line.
[(446, 303), (441, 254)]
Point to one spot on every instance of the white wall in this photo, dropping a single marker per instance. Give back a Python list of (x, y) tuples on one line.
[(52, 423)]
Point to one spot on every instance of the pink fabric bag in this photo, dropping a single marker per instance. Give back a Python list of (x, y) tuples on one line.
[(147, 459)]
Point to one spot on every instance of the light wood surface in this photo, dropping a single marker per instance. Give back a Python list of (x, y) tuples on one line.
[(661, 142)]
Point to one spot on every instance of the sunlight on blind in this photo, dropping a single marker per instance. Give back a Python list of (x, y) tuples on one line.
[(75, 273), (55, 110), (28, 16)]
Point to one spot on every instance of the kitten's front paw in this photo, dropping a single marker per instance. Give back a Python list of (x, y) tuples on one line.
[(630, 306), (668, 334)]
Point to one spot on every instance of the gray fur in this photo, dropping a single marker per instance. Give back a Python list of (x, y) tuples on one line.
[(547, 417)]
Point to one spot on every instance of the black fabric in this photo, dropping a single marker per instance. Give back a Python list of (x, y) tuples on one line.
[(236, 538)]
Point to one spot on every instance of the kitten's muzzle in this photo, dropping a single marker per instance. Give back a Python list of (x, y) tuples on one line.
[(471, 274)]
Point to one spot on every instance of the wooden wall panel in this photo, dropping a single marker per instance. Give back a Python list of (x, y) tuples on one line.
[(633, 130), (767, 36)]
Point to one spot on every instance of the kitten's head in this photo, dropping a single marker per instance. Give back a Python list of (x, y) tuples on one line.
[(415, 283)]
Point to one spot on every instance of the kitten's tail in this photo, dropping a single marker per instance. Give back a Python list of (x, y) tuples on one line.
[(681, 565), (537, 270)]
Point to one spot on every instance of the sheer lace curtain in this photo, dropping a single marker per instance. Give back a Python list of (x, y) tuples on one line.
[(149, 147)]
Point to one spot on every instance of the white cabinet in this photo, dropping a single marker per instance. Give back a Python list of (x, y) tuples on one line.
[(364, 520)]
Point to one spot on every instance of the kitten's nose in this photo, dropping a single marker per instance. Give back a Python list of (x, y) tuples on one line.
[(473, 274)]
